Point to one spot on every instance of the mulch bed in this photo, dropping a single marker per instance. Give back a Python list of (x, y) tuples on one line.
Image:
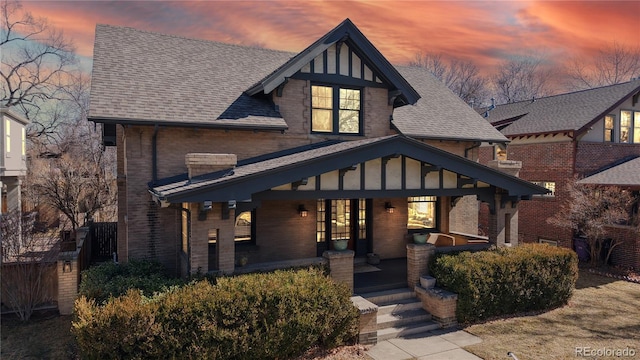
[(617, 273)]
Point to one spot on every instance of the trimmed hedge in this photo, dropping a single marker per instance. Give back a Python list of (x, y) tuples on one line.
[(507, 280), (106, 280), (256, 316)]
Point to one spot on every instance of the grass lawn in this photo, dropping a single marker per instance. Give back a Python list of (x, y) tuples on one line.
[(45, 336), (603, 313)]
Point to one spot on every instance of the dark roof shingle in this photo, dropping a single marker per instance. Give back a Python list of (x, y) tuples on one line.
[(564, 112)]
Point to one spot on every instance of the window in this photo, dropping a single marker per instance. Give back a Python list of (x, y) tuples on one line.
[(340, 219), (608, 128), (185, 229), (321, 231), (500, 152), (422, 212), (243, 227), (7, 131), (549, 185), (335, 110), (636, 127), (625, 126), (24, 142)]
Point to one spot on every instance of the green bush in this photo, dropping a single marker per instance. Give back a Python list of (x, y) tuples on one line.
[(109, 279), (256, 316), (507, 280)]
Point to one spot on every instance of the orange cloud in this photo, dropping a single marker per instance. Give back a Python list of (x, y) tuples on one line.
[(483, 32)]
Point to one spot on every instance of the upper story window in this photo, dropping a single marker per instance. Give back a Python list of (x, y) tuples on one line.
[(608, 128), (7, 131), (24, 142), (626, 130), (630, 126), (336, 110)]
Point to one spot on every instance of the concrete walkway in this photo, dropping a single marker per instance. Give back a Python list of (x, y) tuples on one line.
[(434, 345)]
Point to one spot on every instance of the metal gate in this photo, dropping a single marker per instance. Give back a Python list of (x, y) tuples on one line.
[(104, 236)]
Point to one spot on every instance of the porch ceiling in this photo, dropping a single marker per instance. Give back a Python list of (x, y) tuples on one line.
[(255, 179)]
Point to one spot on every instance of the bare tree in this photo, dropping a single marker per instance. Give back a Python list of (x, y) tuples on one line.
[(612, 64), (462, 77), (588, 212), (71, 172), (28, 264), (36, 62), (522, 78)]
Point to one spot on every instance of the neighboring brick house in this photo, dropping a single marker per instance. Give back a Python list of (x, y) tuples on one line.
[(577, 134), (230, 154)]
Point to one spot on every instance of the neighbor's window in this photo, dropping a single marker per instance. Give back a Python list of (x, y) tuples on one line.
[(549, 185), (636, 127), (625, 126), (24, 142), (7, 131), (243, 227), (335, 110), (500, 152), (422, 212), (608, 128)]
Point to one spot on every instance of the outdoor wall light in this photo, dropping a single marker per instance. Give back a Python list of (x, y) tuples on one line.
[(303, 211), (389, 208), (66, 267)]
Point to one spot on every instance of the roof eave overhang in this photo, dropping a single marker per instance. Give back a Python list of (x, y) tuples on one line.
[(142, 122), (568, 132), (242, 188)]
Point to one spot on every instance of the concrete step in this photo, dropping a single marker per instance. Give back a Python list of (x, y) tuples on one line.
[(402, 318), (399, 305), (395, 332), (389, 296)]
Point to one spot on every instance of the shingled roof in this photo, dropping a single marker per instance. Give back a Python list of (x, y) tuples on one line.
[(141, 77), (574, 111), (625, 174)]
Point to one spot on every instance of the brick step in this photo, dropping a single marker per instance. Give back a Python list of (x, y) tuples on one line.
[(395, 332), (402, 318), (389, 296), (399, 305)]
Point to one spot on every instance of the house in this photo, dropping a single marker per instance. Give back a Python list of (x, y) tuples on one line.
[(13, 163), (593, 135), (231, 155)]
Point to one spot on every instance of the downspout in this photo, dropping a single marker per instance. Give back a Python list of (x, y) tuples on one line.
[(154, 155), (188, 239)]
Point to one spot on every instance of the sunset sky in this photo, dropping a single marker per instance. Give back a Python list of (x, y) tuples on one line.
[(481, 31)]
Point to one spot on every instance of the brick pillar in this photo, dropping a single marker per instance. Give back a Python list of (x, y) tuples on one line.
[(226, 246), (341, 266), (503, 223), (418, 258), (67, 282)]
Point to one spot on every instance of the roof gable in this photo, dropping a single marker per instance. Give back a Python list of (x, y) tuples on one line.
[(574, 111), (345, 33)]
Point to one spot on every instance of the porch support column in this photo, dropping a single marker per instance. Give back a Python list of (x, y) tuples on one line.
[(503, 223), (226, 250), (418, 258), (341, 266)]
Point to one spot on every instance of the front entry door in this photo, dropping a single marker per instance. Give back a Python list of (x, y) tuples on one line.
[(342, 219)]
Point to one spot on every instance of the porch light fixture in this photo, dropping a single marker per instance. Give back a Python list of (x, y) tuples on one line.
[(66, 268), (303, 211), (389, 208)]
